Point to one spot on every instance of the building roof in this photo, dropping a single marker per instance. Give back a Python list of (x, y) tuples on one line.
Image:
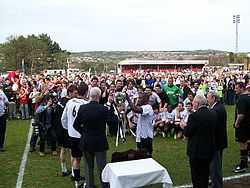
[(235, 64), (163, 62)]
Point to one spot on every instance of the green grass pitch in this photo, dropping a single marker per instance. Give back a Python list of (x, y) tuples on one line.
[(42, 171)]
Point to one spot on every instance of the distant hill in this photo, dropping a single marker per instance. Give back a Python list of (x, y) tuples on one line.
[(107, 60)]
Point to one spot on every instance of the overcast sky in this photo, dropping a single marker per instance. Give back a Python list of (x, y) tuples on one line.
[(86, 25)]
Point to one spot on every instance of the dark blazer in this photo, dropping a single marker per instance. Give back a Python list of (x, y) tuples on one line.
[(91, 123), (200, 131), (221, 126)]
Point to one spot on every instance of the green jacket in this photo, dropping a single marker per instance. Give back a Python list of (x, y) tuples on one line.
[(172, 92)]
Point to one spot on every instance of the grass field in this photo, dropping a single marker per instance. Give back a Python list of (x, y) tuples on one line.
[(42, 171)]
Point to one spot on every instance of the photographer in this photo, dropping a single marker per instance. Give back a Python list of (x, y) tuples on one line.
[(46, 126)]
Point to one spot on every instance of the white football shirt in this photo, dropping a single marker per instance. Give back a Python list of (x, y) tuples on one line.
[(69, 115)]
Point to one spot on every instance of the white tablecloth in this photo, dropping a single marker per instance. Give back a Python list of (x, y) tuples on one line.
[(136, 173)]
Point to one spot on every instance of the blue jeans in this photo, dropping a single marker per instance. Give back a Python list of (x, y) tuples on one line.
[(24, 108), (12, 110)]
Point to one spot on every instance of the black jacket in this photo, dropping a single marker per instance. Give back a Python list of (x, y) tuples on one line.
[(200, 131), (60, 131), (91, 124), (221, 126), (45, 118)]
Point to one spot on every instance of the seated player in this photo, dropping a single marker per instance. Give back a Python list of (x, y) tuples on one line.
[(159, 121), (180, 116), (189, 110), (169, 120)]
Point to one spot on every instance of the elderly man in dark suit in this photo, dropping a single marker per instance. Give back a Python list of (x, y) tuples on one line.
[(200, 131), (220, 139), (91, 123)]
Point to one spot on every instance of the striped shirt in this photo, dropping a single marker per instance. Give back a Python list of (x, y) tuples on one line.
[(145, 127)]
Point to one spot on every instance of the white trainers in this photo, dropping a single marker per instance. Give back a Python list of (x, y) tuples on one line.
[(155, 133), (163, 134), (239, 168), (80, 184), (175, 136)]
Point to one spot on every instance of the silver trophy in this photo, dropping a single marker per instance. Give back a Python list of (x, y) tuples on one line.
[(120, 99)]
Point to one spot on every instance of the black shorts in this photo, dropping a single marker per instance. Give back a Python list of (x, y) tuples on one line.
[(63, 139), (74, 145), (242, 134), (146, 144)]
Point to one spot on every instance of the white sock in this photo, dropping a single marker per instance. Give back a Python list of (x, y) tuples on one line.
[(77, 184), (62, 166), (65, 167), (72, 171)]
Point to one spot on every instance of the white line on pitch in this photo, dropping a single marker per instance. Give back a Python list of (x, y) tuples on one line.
[(236, 177), (184, 186), (224, 179), (24, 160)]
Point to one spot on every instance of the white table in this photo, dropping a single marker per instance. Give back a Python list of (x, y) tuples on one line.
[(135, 173)]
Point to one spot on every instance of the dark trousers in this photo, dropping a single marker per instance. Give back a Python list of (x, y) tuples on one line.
[(146, 144), (230, 97), (216, 170), (101, 158), (48, 135), (35, 135), (200, 172), (2, 130), (33, 140)]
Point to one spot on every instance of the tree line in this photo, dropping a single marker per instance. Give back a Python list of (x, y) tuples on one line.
[(33, 53)]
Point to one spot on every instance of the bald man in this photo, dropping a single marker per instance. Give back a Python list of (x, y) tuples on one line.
[(200, 131), (91, 123)]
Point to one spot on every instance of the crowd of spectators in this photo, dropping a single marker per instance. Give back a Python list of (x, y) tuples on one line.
[(170, 95), (24, 92)]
